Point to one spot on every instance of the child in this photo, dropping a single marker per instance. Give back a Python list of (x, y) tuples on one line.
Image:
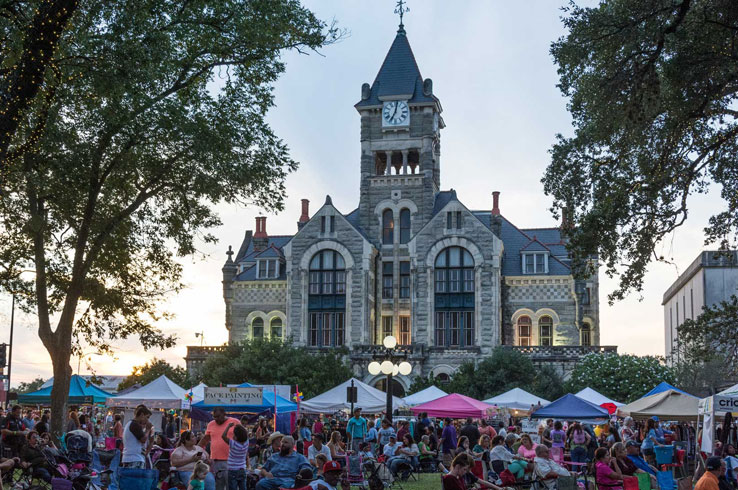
[(197, 482), (365, 450), (238, 454)]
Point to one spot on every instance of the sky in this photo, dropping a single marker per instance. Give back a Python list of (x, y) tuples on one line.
[(491, 68)]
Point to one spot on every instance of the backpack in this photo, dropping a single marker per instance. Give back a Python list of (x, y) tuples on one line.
[(507, 478)]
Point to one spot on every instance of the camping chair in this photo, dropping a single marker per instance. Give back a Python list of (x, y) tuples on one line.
[(354, 470), (379, 472), (679, 464), (305, 446)]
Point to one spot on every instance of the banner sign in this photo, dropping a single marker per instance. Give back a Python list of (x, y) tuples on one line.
[(234, 396)]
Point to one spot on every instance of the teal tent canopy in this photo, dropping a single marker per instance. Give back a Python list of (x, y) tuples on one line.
[(80, 391), (664, 386), (283, 405)]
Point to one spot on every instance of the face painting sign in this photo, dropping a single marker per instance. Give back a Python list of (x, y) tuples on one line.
[(234, 396)]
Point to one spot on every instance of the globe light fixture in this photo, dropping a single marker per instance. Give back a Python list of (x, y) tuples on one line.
[(405, 368), (390, 342), (374, 368), (395, 370), (387, 367)]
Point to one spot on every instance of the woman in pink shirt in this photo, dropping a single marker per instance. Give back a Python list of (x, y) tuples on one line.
[(604, 474), (527, 447)]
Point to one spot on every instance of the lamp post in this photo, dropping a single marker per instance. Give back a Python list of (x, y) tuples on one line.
[(389, 361)]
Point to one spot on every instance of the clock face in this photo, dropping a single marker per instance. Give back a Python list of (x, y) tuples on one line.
[(395, 113)]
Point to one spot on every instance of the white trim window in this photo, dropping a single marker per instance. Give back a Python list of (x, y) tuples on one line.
[(267, 269), (535, 263)]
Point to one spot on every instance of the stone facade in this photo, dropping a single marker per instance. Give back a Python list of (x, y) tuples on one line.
[(411, 260)]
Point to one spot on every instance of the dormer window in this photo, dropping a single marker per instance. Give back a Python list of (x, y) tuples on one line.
[(535, 263), (268, 269)]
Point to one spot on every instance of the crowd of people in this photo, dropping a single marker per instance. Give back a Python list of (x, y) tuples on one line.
[(235, 453)]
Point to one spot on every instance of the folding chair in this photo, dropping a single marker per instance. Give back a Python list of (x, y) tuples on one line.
[(355, 470)]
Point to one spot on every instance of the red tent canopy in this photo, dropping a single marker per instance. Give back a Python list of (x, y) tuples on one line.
[(455, 406)]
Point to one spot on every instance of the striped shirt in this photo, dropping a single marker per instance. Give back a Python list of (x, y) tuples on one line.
[(237, 454)]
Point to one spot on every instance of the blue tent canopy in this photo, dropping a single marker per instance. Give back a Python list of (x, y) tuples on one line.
[(283, 406), (80, 391), (664, 386), (571, 407)]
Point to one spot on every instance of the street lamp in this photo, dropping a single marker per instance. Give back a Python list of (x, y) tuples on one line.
[(389, 361)]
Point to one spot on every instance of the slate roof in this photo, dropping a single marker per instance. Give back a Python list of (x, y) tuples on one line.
[(250, 275), (247, 251), (443, 198), (398, 75), (269, 252), (515, 240), (535, 246)]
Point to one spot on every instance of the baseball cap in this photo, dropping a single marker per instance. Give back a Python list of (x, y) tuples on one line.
[(655, 418), (331, 466), (712, 463), (632, 444), (393, 436)]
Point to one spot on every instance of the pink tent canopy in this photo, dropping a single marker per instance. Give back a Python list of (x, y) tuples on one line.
[(455, 406)]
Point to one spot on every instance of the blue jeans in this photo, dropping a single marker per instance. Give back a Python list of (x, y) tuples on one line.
[(275, 483), (397, 461), (579, 455), (237, 479), (209, 479)]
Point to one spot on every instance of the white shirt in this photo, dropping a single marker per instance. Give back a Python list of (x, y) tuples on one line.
[(499, 453), (320, 484), (389, 450), (546, 466), (313, 452), (133, 449)]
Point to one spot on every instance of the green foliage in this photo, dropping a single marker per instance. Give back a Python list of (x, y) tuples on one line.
[(272, 361), (503, 370), (153, 369), (28, 387), (623, 378), (159, 113), (420, 383), (652, 88), (548, 383)]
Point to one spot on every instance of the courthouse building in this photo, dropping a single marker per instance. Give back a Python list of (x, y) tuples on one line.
[(449, 282)]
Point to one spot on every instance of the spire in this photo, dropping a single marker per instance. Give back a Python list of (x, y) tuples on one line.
[(400, 9)]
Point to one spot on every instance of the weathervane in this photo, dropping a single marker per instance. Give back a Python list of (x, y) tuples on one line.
[(401, 9)]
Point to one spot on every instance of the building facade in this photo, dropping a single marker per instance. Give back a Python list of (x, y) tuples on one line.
[(710, 279), (449, 282)]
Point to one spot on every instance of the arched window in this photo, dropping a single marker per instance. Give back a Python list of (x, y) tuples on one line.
[(275, 328), (404, 225), (326, 299), (388, 227), (257, 328), (586, 334), (524, 330), (454, 298), (443, 378), (545, 333)]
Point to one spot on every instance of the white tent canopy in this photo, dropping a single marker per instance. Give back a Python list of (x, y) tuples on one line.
[(369, 399), (427, 395), (198, 392), (710, 409), (595, 397), (160, 393), (516, 399)]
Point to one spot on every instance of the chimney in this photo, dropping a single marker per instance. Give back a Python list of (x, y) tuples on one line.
[(261, 239), (496, 219), (305, 216)]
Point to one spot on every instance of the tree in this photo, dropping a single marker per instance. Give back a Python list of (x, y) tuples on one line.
[(652, 88), (623, 378), (548, 383), (28, 387), (420, 383), (503, 370), (140, 142), (272, 361), (30, 33), (154, 369)]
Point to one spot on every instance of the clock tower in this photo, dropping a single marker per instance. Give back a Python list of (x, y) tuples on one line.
[(400, 147)]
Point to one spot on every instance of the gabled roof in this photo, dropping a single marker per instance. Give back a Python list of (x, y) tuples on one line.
[(515, 239), (443, 198), (353, 219), (535, 246), (247, 252), (398, 75), (270, 252), (250, 275)]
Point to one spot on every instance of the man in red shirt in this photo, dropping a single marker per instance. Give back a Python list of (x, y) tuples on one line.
[(218, 447)]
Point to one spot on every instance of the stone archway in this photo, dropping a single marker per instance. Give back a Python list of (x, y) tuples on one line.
[(397, 389)]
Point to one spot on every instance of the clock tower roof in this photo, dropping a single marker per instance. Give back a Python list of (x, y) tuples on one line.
[(398, 78)]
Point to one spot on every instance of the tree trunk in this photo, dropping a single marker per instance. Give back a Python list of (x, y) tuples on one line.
[(60, 390)]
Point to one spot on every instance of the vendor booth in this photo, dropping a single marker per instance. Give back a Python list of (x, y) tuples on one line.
[(571, 407), (710, 409), (80, 392), (668, 405), (248, 399), (664, 386), (517, 399), (455, 406), (424, 396), (369, 399), (596, 397), (161, 393)]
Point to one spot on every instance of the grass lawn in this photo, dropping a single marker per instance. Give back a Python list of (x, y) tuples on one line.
[(426, 481)]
